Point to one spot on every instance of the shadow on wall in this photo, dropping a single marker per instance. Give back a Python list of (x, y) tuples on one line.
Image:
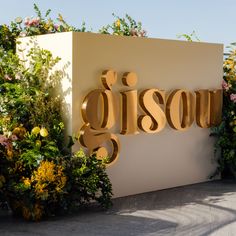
[(61, 88)]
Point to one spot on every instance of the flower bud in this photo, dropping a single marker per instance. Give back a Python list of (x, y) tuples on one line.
[(35, 130), (44, 132)]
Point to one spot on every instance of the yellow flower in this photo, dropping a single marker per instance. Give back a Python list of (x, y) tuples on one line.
[(9, 153), (35, 130), (16, 130), (38, 143), (118, 23), (27, 182), (45, 172), (19, 131), (48, 178), (229, 64), (58, 189), (44, 132)]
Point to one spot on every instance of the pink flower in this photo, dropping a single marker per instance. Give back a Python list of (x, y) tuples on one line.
[(56, 27), (4, 141), (225, 85), (35, 21), (32, 22), (2, 138), (14, 137), (7, 77), (233, 97), (143, 33), (134, 33)]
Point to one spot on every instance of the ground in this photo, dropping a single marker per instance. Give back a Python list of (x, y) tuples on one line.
[(200, 209)]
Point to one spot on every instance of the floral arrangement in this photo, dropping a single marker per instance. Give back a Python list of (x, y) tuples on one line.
[(40, 24), (32, 26), (125, 27), (38, 174), (226, 132)]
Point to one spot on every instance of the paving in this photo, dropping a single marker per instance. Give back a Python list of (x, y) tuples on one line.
[(200, 209)]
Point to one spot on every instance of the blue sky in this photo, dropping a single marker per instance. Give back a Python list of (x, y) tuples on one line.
[(213, 20)]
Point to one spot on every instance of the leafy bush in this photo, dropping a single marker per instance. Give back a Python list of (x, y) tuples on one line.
[(226, 132), (38, 175), (87, 180)]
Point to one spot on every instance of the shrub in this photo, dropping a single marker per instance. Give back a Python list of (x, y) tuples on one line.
[(38, 175), (226, 132)]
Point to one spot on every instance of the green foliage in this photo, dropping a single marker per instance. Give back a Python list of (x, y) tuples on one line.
[(88, 180), (7, 37), (189, 37), (226, 132), (31, 26), (125, 27), (38, 175)]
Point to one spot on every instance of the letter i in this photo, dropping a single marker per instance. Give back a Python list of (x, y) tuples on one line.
[(129, 105)]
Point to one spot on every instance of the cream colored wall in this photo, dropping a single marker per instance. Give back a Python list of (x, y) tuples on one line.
[(147, 162), (61, 46)]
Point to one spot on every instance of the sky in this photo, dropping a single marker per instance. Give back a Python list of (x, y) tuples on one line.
[(212, 20)]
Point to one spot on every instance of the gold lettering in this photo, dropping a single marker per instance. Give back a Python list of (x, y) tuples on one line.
[(129, 79), (91, 109), (94, 141), (216, 106), (155, 119), (180, 117), (100, 110), (129, 105), (109, 78), (203, 108), (208, 107)]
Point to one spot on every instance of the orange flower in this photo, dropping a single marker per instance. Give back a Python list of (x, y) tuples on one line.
[(19, 132), (27, 182)]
